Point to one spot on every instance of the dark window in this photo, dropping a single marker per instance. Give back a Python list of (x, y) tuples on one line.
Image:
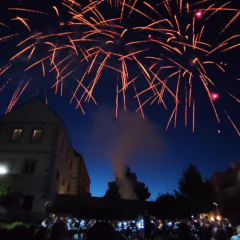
[(37, 135), (63, 182), (57, 175), (68, 187), (16, 135), (28, 201), (29, 166)]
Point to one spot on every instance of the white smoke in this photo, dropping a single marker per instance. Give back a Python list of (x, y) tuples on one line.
[(122, 138)]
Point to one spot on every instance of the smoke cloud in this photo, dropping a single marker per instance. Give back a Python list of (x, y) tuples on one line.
[(122, 138)]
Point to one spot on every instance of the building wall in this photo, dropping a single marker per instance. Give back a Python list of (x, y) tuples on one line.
[(17, 154), (63, 169), (227, 187), (46, 145), (84, 180), (70, 173), (55, 163)]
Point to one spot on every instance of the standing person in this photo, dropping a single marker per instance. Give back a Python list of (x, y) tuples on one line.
[(101, 231), (236, 237), (59, 231), (147, 225), (221, 234)]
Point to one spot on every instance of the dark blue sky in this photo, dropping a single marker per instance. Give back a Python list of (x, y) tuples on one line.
[(160, 168), (160, 158)]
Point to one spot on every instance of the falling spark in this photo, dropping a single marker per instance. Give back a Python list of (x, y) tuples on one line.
[(168, 46), (235, 127)]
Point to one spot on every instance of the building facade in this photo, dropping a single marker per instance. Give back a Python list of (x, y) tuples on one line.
[(40, 159), (227, 186)]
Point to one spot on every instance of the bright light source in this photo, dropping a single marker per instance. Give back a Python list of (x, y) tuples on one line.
[(214, 96), (198, 14), (3, 170), (218, 218)]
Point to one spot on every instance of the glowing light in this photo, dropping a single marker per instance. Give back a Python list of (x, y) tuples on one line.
[(214, 96), (104, 44), (198, 14), (3, 170)]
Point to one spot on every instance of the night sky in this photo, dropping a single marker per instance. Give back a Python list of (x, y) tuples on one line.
[(158, 157)]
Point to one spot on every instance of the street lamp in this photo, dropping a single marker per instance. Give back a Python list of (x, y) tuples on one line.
[(46, 205), (3, 170), (215, 204)]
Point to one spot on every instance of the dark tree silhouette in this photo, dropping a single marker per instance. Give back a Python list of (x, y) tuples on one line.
[(139, 188), (167, 206), (113, 191), (198, 195)]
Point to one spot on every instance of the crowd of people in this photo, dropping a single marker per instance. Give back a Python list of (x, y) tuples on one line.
[(145, 228)]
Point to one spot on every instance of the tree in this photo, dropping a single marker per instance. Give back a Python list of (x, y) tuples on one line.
[(138, 187), (198, 195), (167, 206), (4, 189)]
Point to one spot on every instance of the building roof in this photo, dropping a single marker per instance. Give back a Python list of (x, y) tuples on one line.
[(33, 110)]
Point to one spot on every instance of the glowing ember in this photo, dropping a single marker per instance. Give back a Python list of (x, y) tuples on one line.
[(89, 40), (199, 14), (214, 96)]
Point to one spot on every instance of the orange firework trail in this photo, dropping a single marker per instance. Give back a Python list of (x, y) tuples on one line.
[(7, 37), (233, 124), (17, 94), (155, 50)]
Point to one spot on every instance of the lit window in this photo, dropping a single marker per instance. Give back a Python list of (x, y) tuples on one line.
[(29, 166), (16, 135), (37, 135)]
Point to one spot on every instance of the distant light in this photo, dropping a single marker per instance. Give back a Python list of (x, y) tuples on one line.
[(198, 14), (218, 218), (219, 131), (3, 170), (150, 36), (214, 96)]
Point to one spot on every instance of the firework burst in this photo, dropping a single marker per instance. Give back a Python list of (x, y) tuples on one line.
[(153, 51)]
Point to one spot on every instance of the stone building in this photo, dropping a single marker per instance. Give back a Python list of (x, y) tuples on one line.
[(227, 186), (40, 159)]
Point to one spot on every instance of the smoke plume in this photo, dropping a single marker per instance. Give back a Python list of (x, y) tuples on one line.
[(122, 138)]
